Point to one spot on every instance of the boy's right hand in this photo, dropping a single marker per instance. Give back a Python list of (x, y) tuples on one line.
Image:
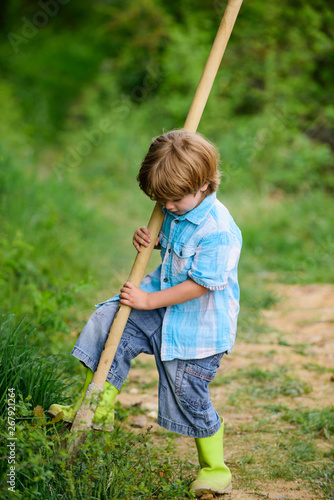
[(142, 237)]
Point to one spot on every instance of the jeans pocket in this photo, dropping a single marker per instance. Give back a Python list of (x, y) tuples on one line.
[(192, 383)]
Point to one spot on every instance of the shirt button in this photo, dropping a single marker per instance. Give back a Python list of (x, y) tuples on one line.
[(176, 221), (181, 253), (169, 250), (165, 280)]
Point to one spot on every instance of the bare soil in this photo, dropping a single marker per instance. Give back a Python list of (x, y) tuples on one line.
[(300, 336)]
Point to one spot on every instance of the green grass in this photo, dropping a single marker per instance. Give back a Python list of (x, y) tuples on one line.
[(275, 450), (313, 421), (108, 466), (36, 379), (259, 384), (314, 367)]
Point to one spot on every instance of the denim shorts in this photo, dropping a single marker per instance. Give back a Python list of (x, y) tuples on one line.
[(184, 402)]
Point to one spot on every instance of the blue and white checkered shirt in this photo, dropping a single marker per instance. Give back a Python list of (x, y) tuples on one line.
[(204, 245)]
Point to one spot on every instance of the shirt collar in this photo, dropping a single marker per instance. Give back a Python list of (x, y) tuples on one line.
[(197, 214)]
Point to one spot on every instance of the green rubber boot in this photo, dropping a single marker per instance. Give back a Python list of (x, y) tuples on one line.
[(70, 411), (214, 476), (104, 414)]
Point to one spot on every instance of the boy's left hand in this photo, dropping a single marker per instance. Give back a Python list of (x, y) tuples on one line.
[(132, 296)]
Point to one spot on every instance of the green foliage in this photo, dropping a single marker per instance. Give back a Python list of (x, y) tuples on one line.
[(80, 99), (288, 235), (126, 29), (27, 290), (273, 94), (35, 378), (106, 466)]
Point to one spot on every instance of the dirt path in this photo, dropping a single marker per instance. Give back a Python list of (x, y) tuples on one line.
[(301, 340)]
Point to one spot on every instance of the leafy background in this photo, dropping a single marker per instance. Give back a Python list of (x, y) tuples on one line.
[(86, 85)]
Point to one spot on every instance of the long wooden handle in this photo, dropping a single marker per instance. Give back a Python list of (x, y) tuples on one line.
[(122, 315), (85, 414), (212, 65)]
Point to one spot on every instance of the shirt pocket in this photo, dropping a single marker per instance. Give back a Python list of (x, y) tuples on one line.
[(182, 258), (164, 245)]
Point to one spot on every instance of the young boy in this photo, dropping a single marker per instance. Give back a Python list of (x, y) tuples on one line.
[(185, 311)]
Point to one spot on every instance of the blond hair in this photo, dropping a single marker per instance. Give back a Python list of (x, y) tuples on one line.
[(179, 163)]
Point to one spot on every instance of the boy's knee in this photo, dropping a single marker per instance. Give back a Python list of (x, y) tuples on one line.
[(98, 325), (105, 314)]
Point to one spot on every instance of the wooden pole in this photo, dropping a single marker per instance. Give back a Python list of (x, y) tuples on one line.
[(85, 414), (212, 65)]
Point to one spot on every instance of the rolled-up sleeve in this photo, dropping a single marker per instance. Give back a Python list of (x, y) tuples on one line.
[(215, 258)]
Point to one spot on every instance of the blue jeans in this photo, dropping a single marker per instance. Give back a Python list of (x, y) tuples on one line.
[(185, 406)]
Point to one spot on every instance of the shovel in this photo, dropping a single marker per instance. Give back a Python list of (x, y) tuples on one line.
[(85, 414)]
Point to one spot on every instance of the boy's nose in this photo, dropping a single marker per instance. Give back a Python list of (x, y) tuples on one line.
[(169, 205)]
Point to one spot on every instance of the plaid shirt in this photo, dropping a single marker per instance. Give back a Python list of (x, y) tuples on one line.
[(204, 245)]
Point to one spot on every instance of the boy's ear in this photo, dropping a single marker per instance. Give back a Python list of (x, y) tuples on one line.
[(204, 187)]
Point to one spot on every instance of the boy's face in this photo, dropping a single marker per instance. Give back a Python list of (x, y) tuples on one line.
[(187, 202)]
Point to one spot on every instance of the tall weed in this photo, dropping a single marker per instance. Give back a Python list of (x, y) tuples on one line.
[(34, 377)]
